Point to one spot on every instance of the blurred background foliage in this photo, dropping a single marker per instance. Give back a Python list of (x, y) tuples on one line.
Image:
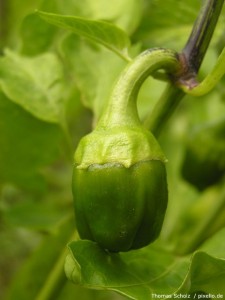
[(53, 85)]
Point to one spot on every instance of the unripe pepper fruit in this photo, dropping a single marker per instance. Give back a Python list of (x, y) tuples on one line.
[(204, 157), (119, 178)]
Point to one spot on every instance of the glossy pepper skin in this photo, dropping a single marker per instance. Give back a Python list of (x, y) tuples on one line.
[(119, 179), (121, 208)]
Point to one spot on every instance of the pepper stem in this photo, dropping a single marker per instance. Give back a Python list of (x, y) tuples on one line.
[(202, 32), (193, 53), (121, 108)]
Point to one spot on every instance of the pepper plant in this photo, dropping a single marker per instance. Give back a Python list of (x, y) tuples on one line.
[(135, 88)]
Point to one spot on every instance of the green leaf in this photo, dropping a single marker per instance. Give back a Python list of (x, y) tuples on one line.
[(144, 273), (206, 275), (26, 145), (90, 67), (34, 83), (125, 14), (104, 33), (36, 34), (135, 274)]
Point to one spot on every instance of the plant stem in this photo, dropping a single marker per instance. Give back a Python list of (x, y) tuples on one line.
[(198, 42), (210, 81), (163, 109), (56, 279), (121, 107), (201, 233), (192, 55)]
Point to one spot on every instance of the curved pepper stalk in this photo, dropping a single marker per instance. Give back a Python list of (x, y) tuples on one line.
[(119, 179)]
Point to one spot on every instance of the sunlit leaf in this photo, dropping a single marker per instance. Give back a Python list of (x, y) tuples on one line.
[(105, 33), (34, 83), (94, 70)]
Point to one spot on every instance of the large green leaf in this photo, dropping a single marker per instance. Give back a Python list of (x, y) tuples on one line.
[(94, 70), (105, 33), (34, 83), (137, 274), (146, 273), (125, 14), (26, 145)]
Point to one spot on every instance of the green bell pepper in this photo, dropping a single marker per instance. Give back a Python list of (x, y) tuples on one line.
[(119, 178)]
